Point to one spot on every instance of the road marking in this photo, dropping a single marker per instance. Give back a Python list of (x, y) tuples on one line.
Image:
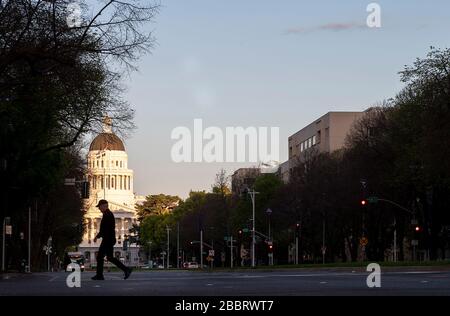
[(424, 281), (323, 282), (209, 284), (96, 286), (53, 279)]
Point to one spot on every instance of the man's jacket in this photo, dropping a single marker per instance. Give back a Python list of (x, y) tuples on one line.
[(108, 228)]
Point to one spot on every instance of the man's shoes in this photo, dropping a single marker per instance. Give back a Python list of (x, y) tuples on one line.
[(97, 277), (127, 273)]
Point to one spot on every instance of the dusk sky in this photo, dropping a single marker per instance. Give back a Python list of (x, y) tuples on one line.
[(265, 63)]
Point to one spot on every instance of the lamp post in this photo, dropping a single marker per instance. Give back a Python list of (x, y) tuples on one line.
[(168, 243), (178, 245), (269, 213), (252, 195)]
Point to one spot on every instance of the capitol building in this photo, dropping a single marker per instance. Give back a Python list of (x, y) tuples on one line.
[(110, 179)]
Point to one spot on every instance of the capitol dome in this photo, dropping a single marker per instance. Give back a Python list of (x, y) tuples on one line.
[(107, 141)]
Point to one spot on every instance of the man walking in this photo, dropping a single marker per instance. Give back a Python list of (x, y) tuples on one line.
[(108, 234)]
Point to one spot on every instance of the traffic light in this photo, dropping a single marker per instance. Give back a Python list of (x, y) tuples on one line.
[(270, 246), (297, 229), (240, 232), (363, 202), (417, 229)]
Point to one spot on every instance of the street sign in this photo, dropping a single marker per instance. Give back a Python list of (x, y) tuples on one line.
[(209, 258), (363, 241), (245, 230), (222, 256), (211, 253), (8, 230), (414, 242), (47, 249), (69, 181), (226, 238), (324, 250), (414, 222)]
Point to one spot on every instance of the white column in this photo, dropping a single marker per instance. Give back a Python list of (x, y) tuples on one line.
[(122, 233)]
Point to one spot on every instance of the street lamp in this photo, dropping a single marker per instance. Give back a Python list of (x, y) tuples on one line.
[(168, 241), (252, 194), (269, 213)]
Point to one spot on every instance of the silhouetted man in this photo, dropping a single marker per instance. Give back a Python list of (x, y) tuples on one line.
[(108, 234)]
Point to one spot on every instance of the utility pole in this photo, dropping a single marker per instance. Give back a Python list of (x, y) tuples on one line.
[(395, 239), (168, 241), (323, 241), (231, 257), (29, 239), (201, 248), (6, 225), (178, 245), (252, 195)]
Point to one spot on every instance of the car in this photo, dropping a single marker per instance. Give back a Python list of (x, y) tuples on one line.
[(71, 267), (72, 259), (190, 265)]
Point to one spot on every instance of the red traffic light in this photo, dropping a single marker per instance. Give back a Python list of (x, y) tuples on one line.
[(417, 228), (298, 225), (240, 231), (363, 202)]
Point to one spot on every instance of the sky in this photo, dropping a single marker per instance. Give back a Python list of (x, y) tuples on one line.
[(265, 64)]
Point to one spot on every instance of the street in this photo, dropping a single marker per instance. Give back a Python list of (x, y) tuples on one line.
[(295, 282)]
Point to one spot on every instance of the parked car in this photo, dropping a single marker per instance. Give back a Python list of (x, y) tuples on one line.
[(191, 265)]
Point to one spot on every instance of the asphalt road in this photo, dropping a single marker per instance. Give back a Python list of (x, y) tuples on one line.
[(298, 282)]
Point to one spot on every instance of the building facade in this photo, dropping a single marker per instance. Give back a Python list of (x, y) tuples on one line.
[(243, 178), (326, 134), (110, 179)]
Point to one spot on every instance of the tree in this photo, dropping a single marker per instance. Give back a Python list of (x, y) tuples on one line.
[(57, 81), (157, 205)]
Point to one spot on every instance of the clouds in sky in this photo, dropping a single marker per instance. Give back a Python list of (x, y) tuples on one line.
[(335, 27)]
